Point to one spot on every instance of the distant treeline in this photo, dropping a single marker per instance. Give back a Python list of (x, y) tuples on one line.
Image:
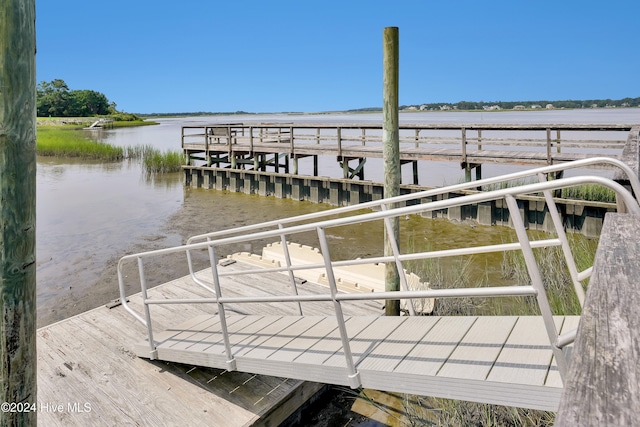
[(462, 105), (516, 105)]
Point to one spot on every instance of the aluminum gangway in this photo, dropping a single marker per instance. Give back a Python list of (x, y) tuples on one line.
[(509, 360)]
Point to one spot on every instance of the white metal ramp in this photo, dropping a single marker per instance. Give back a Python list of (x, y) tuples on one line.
[(515, 360), (503, 360)]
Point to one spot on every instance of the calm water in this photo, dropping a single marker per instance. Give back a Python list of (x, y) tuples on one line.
[(89, 215)]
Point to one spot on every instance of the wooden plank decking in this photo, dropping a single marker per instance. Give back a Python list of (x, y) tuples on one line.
[(85, 364), (492, 359)]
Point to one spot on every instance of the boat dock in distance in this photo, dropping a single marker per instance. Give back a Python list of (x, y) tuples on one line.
[(278, 147)]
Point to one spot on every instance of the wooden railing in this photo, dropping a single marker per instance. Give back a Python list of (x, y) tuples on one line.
[(465, 140)]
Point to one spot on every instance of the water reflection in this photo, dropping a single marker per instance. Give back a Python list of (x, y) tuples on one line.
[(88, 212)]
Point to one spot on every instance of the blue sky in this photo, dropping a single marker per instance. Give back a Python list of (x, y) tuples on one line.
[(274, 56)]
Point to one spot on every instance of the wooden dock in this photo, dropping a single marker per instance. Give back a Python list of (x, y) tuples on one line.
[(89, 375), (257, 146)]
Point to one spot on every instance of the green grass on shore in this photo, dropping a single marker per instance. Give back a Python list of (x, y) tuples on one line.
[(59, 141), (82, 122), (63, 142)]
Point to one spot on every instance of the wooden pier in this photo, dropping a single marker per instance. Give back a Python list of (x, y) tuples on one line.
[(88, 374), (263, 159), (279, 146)]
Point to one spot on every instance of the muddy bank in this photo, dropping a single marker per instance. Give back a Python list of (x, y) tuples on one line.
[(201, 212)]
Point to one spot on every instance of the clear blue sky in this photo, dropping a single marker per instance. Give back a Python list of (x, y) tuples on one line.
[(274, 56)]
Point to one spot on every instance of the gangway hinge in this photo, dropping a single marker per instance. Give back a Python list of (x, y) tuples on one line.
[(153, 354), (231, 365)]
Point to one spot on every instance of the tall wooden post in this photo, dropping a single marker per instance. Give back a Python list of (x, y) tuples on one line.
[(391, 153), (17, 211)]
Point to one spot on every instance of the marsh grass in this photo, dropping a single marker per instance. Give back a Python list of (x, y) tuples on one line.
[(555, 275), (64, 142), (587, 192), (156, 161), (590, 192), (132, 123)]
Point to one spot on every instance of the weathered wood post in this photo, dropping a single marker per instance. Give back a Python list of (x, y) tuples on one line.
[(391, 153), (18, 211), (602, 387)]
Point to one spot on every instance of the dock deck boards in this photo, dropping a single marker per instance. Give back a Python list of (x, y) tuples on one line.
[(494, 359), (88, 359)]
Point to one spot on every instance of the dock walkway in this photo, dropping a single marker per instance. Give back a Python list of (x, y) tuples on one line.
[(85, 364), (503, 360)]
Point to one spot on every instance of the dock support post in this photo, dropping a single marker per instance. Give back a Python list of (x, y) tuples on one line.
[(391, 155), (18, 357)]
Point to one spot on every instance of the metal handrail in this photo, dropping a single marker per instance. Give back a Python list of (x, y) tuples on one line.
[(633, 179), (284, 230), (536, 172)]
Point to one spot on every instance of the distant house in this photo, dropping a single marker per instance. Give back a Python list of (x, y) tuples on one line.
[(519, 107), (549, 106), (490, 107), (445, 107), (536, 106)]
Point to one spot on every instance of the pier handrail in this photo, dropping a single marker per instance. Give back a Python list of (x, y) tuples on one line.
[(344, 135), (284, 232)]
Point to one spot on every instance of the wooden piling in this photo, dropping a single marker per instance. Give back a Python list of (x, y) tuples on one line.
[(391, 153), (603, 383), (18, 212)]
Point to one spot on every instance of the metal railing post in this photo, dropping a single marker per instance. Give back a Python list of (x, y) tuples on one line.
[(287, 258), (147, 313), (396, 254), (566, 248), (231, 362), (536, 282), (354, 376)]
